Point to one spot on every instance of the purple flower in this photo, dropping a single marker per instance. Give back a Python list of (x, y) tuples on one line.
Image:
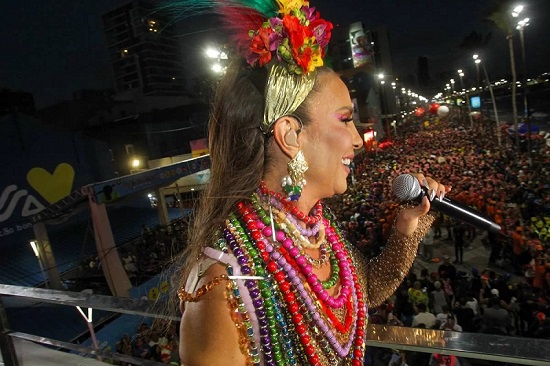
[(276, 23), (275, 40), (320, 32), (308, 12)]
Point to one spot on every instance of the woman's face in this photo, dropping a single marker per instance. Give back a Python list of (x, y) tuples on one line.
[(331, 138)]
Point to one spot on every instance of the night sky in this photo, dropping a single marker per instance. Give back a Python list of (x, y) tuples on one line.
[(51, 48)]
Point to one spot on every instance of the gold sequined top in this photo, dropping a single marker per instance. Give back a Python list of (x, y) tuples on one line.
[(384, 273)]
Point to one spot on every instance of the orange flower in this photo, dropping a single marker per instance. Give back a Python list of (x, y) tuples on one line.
[(299, 35), (303, 59), (260, 47), (296, 31)]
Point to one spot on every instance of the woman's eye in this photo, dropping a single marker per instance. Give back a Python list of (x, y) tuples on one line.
[(344, 117)]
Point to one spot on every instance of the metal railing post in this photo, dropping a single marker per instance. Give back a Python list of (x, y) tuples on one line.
[(9, 355)]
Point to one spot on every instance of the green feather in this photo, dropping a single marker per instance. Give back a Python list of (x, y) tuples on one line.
[(268, 8), (185, 8)]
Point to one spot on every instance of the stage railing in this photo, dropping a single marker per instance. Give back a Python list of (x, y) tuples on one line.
[(478, 346)]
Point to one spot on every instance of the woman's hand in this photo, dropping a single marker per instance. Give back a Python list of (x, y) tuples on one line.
[(407, 220)]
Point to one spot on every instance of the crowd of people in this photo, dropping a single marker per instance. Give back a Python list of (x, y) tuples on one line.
[(451, 299), (483, 176), (509, 188), (158, 342), (145, 256), (142, 257)]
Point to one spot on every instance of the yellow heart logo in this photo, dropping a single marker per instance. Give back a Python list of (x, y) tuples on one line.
[(52, 187)]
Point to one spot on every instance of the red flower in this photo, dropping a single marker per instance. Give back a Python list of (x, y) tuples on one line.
[(303, 58), (297, 34), (296, 31), (260, 47)]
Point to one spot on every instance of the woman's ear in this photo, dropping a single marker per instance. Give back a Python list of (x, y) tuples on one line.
[(285, 133)]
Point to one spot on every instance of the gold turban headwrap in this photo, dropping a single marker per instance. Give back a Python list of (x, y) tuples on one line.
[(284, 93)]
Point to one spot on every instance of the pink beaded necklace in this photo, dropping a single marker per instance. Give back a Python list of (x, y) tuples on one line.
[(285, 273)]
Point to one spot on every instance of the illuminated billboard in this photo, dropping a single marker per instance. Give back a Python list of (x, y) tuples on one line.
[(475, 102), (362, 51)]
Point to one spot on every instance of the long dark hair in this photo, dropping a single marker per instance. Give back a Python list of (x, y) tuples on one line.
[(238, 154)]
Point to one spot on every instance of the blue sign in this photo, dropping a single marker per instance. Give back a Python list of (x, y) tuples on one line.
[(475, 102), (40, 167)]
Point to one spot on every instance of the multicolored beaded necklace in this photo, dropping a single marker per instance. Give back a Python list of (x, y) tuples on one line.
[(294, 310)]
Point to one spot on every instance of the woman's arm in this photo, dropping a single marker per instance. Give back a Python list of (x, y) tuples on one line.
[(385, 272), (208, 335)]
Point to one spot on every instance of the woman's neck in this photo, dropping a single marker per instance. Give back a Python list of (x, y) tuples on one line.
[(305, 203)]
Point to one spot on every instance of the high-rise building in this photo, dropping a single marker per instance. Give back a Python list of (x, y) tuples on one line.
[(143, 50), (423, 72), (16, 102), (360, 54)]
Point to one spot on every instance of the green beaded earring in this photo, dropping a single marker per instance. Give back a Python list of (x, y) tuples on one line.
[(294, 182)]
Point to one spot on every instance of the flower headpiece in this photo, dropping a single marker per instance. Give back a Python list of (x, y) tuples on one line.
[(288, 37), (297, 36)]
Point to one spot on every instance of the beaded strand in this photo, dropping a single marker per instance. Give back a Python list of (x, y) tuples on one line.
[(272, 267), (289, 207), (201, 291), (305, 322)]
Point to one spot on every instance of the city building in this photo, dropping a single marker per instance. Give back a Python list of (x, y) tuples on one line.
[(361, 56), (14, 101), (143, 51), (423, 72)]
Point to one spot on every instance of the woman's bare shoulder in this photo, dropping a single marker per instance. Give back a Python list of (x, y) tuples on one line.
[(208, 335)]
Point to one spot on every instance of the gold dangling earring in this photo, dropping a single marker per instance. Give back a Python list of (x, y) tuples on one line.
[(294, 182)]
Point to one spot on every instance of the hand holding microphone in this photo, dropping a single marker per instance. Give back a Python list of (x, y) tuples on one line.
[(407, 188)]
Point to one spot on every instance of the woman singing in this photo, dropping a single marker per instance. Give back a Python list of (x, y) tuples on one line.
[(268, 278)]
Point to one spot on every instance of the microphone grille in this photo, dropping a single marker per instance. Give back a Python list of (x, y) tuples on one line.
[(406, 187)]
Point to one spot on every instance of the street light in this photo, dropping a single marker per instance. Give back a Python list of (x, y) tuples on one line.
[(384, 103), (217, 55), (217, 68), (135, 164), (515, 13), (34, 246), (397, 101), (214, 53), (520, 27), (495, 111), (517, 10), (461, 74), (477, 60)]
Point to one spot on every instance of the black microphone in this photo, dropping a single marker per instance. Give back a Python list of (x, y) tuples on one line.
[(407, 188)]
